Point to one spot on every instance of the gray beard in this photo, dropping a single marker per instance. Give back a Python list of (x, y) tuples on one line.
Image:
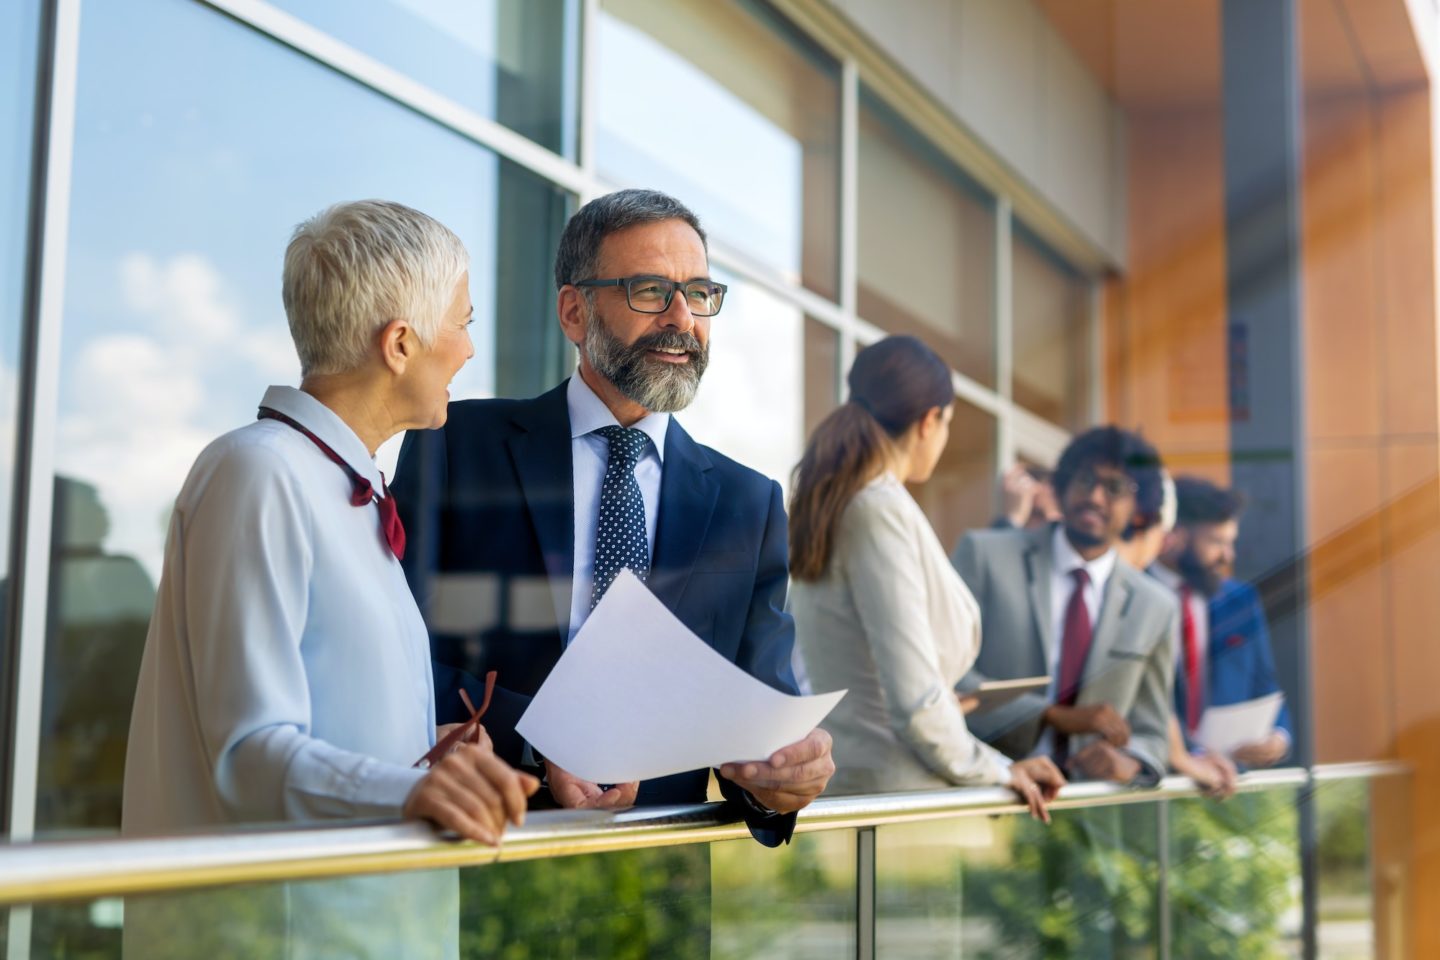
[(657, 386)]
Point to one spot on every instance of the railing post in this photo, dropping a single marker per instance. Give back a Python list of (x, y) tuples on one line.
[(1162, 861), (865, 893)]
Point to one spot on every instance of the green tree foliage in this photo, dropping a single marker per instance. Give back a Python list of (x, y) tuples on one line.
[(633, 904)]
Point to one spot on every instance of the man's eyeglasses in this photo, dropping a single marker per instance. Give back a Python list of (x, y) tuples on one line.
[(1116, 486), (653, 294)]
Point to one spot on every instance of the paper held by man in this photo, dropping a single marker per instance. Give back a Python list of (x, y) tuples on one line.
[(637, 696), (1225, 729)]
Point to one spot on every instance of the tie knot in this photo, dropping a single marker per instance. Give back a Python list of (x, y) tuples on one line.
[(626, 443), (1082, 577)]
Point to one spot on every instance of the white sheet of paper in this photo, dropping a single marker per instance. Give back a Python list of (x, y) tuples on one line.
[(1225, 729), (636, 696)]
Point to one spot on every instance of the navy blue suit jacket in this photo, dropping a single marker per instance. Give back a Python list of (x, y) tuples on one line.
[(1241, 664), (488, 505)]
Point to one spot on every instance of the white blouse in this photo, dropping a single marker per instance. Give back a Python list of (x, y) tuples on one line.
[(286, 677)]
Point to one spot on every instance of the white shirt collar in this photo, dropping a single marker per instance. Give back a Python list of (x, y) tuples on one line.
[(1066, 559), (327, 425), (588, 413)]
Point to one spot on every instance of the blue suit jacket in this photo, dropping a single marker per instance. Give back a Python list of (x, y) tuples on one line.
[(488, 504), (1241, 663)]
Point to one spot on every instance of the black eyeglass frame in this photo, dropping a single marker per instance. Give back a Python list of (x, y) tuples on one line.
[(670, 287), (1116, 487)]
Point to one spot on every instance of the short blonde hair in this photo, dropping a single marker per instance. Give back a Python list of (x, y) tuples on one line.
[(354, 267)]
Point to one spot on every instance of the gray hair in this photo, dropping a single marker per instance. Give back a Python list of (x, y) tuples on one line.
[(354, 267), (579, 252)]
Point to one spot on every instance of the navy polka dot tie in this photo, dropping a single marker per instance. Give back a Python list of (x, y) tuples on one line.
[(620, 538)]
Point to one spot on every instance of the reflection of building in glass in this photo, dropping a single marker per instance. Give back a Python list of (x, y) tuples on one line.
[(102, 607), (1093, 209)]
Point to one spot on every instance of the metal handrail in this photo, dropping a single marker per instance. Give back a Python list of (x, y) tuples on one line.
[(87, 869)]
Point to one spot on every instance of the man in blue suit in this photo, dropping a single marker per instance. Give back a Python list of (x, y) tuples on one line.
[(521, 512), (1225, 654)]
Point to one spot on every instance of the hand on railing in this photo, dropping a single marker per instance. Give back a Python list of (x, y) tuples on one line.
[(1037, 781), (472, 792), (1212, 772)]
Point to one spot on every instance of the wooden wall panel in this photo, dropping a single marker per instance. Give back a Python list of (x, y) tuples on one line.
[(1341, 308), (1165, 324), (1410, 401), (1373, 407), (1406, 233)]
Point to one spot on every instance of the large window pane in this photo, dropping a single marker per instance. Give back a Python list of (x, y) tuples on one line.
[(1009, 887), (731, 901), (509, 60), (1052, 354), (727, 107), (959, 496), (184, 197), (927, 245), (751, 404), (822, 372), (19, 23), (799, 905), (1234, 876)]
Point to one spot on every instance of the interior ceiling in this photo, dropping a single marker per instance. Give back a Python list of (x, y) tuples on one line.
[(1165, 54)]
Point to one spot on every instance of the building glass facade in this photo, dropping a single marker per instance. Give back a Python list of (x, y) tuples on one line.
[(182, 196), (1039, 189)]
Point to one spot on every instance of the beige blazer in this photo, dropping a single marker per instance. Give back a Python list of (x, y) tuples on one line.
[(892, 622)]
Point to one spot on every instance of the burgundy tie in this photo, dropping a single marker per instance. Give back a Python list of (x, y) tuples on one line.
[(1192, 662), (362, 492), (1076, 643)]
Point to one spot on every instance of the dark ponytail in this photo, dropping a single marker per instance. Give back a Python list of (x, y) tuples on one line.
[(893, 384)]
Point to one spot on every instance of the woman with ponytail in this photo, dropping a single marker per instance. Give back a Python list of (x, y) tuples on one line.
[(878, 607)]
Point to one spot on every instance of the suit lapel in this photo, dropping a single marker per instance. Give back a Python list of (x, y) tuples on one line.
[(687, 501), (1114, 606), (1038, 567), (540, 451)]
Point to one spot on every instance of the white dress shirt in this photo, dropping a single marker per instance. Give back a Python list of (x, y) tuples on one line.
[(286, 677), (589, 454), (1064, 561)]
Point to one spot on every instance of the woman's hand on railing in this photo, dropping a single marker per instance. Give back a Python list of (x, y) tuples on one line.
[(472, 792), (1037, 781)]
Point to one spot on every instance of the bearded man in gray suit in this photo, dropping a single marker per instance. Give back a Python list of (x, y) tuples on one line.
[(1058, 602)]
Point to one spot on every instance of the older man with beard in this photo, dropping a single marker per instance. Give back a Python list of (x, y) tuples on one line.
[(1224, 655), (524, 511)]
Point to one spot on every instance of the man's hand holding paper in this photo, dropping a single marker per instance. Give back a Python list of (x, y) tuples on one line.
[(637, 696), (791, 777)]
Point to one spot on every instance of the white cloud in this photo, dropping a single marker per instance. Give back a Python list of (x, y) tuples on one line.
[(144, 401), (185, 298), (134, 436), (184, 294)]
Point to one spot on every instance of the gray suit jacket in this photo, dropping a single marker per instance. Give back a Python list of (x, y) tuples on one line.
[(1131, 664)]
